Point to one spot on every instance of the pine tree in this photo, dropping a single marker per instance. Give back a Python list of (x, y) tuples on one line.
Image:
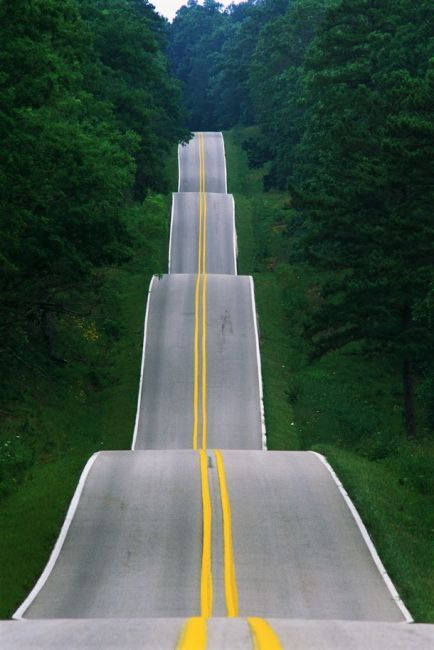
[(363, 179)]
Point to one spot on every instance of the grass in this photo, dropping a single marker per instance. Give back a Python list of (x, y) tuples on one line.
[(77, 409), (275, 349), (345, 405)]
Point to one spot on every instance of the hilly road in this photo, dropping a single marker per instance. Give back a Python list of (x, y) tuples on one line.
[(198, 537), (134, 548), (232, 386)]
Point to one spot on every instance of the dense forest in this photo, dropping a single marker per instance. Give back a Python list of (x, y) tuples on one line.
[(341, 95), (88, 114)]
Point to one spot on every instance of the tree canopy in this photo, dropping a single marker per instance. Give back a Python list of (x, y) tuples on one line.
[(341, 93), (87, 108)]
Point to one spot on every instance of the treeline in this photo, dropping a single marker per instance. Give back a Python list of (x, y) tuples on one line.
[(88, 113), (341, 93)]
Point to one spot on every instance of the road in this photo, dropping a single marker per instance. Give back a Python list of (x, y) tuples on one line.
[(198, 538), (232, 634), (166, 415), (210, 147), (134, 548), (220, 233)]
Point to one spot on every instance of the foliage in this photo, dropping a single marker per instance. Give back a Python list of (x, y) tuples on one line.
[(210, 51), (342, 93), (132, 76), (362, 180), (275, 85), (88, 111)]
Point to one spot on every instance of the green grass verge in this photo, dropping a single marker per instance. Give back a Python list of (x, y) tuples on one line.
[(245, 184), (345, 405)]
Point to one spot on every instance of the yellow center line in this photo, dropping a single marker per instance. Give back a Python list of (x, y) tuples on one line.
[(263, 635), (200, 396), (204, 366), (204, 305), (200, 313), (206, 594), (193, 635), (231, 589), (204, 206), (196, 363)]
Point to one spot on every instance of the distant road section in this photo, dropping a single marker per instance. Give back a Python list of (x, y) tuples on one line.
[(220, 233), (231, 388), (215, 164)]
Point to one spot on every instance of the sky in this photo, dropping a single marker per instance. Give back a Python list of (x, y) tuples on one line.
[(169, 8)]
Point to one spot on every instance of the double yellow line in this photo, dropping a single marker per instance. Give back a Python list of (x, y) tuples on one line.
[(206, 583), (200, 400), (200, 312), (194, 636), (206, 580)]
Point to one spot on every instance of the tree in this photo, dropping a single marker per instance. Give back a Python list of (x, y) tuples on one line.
[(196, 36), (210, 52), (74, 148), (362, 179), (275, 84), (133, 77)]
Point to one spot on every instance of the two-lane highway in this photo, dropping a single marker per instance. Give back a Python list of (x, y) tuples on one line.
[(202, 229), (177, 385), (220, 233), (213, 533), (201, 383), (208, 146), (220, 634)]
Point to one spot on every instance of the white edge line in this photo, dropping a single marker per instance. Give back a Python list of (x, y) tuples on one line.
[(258, 361), (145, 331), (234, 235), (18, 615), (224, 158), (369, 543), (171, 229)]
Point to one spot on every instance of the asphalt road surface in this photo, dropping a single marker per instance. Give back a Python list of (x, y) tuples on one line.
[(135, 545), (210, 147), (232, 386), (220, 233), (233, 634)]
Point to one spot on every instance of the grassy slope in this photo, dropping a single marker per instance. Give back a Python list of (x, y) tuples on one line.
[(82, 420), (344, 406), (275, 349)]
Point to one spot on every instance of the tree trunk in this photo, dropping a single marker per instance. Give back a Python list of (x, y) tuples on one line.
[(407, 377), (49, 335)]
